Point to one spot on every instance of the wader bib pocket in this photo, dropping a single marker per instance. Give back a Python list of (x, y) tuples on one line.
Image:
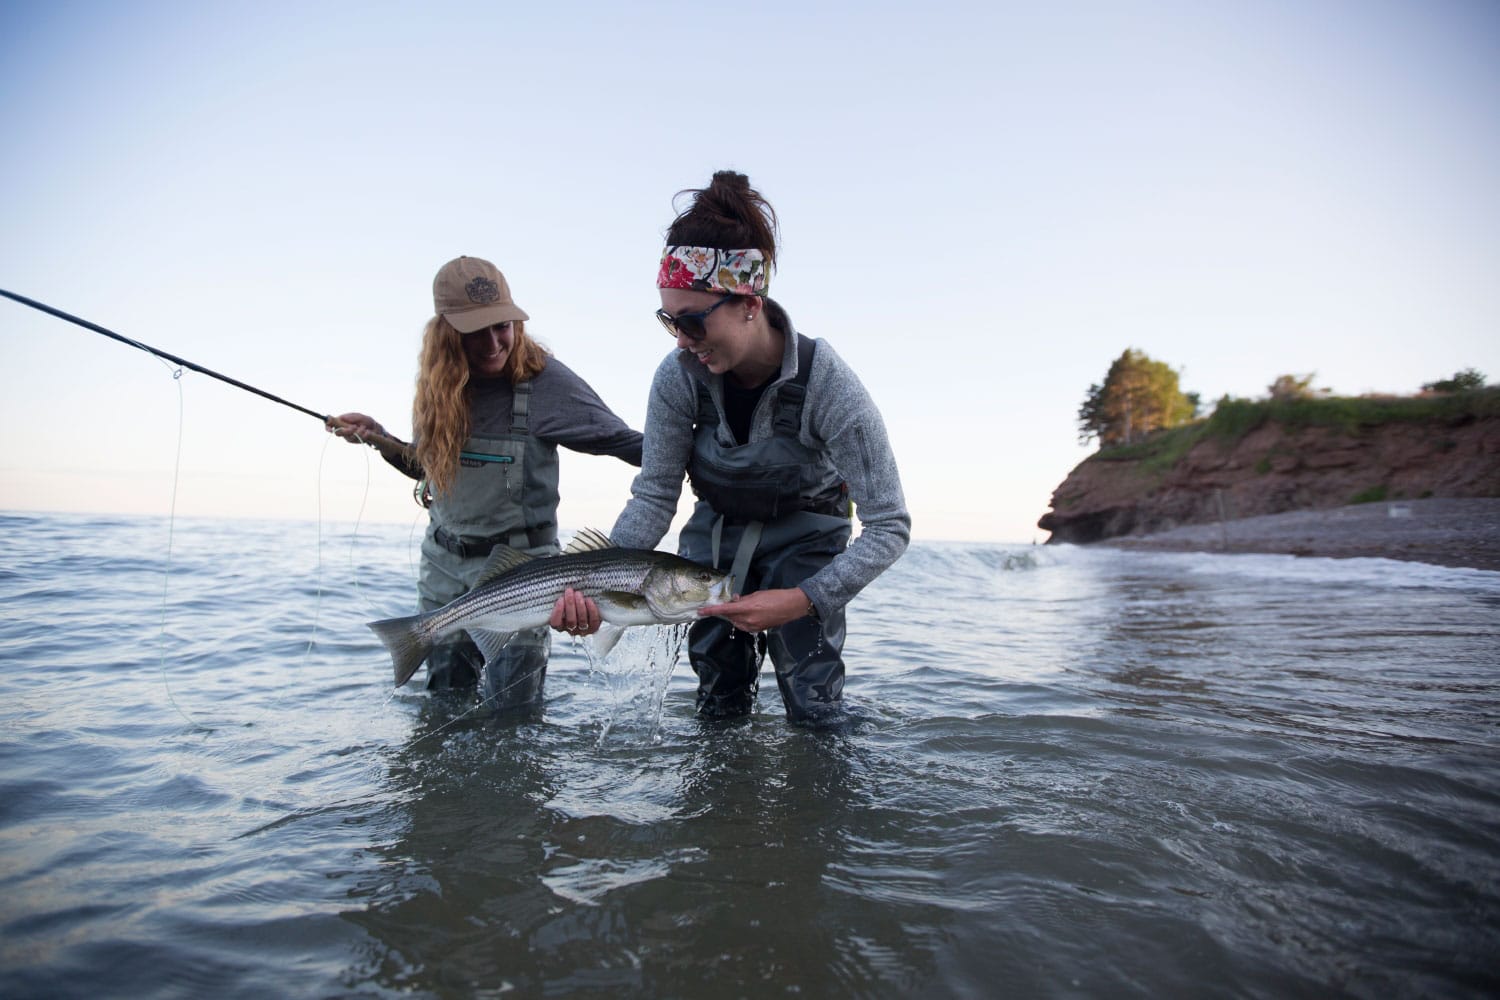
[(749, 491)]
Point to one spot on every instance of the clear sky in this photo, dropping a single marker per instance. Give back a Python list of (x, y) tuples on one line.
[(982, 205)]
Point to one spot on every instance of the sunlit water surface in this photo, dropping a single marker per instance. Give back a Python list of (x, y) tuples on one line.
[(1066, 772)]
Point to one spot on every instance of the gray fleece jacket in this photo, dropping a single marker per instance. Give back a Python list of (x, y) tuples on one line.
[(838, 418)]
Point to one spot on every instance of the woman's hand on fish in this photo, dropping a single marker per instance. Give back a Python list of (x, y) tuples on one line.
[(575, 614), (762, 610)]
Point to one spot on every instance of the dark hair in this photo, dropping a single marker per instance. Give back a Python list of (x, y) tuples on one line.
[(729, 214)]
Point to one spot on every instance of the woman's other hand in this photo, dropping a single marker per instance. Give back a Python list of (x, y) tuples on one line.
[(764, 609)]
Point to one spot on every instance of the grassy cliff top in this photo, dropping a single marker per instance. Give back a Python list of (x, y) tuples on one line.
[(1232, 419)]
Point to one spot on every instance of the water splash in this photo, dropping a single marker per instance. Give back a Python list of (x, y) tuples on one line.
[(635, 676)]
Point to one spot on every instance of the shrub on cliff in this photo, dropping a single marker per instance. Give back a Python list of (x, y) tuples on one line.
[(1294, 387), (1465, 381)]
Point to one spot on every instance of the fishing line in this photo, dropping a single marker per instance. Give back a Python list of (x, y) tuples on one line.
[(481, 703), (359, 522), (354, 536), (312, 637), (321, 417), (183, 363), (166, 573)]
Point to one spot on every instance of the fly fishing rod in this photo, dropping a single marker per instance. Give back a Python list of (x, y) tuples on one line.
[(370, 438)]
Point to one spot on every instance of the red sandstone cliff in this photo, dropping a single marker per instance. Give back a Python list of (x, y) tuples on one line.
[(1276, 468)]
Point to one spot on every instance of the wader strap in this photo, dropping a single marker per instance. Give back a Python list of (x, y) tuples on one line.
[(788, 419), (520, 410), (520, 407), (749, 542)]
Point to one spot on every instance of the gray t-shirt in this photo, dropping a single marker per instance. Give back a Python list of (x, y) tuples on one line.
[(565, 411)]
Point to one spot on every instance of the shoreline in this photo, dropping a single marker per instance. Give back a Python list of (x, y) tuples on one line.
[(1462, 533)]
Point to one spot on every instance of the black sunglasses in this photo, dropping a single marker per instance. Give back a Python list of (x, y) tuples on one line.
[(689, 325)]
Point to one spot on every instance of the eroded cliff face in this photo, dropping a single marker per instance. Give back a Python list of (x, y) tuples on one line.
[(1273, 469)]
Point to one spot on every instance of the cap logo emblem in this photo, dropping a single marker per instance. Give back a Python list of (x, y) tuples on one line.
[(482, 291)]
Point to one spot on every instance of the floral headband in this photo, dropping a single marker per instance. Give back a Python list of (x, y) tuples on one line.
[(704, 269)]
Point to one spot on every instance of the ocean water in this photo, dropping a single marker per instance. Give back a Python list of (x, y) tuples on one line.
[(1066, 772)]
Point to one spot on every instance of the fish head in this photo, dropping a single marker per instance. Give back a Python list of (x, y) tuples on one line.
[(676, 588)]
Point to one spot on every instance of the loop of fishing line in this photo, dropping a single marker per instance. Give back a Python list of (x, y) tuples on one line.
[(481, 703), (166, 573), (312, 636)]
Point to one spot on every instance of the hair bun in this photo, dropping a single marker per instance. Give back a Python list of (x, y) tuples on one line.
[(729, 214)]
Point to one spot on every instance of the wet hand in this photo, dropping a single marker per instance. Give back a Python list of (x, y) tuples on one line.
[(764, 609), (575, 614)]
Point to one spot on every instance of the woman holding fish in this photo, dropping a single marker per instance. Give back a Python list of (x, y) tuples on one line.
[(492, 407), (778, 439)]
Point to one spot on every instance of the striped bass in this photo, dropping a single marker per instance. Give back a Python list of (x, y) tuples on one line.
[(516, 591)]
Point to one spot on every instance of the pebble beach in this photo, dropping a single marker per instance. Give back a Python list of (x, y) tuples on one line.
[(1441, 531)]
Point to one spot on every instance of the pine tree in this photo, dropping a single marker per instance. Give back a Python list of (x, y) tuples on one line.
[(1138, 396)]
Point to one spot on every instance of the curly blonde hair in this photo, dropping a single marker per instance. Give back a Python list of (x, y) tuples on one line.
[(440, 411)]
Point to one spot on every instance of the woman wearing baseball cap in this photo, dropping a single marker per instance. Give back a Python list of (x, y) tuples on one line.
[(492, 407), (777, 436)]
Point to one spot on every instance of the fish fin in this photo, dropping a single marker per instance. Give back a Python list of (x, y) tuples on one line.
[(407, 646), (624, 598), (502, 559), (489, 641), (604, 640), (588, 540)]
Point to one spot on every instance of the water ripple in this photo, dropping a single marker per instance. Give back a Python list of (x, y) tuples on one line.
[(1064, 771)]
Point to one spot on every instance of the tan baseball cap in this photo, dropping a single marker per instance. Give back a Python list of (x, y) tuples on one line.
[(472, 294)]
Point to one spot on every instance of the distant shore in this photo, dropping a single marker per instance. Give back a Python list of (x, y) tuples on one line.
[(1445, 532)]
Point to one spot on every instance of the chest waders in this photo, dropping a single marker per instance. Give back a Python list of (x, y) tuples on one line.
[(505, 493), (778, 510)]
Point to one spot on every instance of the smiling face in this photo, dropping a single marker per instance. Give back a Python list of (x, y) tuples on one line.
[(722, 342), (737, 339), (489, 349)]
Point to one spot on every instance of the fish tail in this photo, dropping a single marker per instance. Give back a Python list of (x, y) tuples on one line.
[(407, 642)]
